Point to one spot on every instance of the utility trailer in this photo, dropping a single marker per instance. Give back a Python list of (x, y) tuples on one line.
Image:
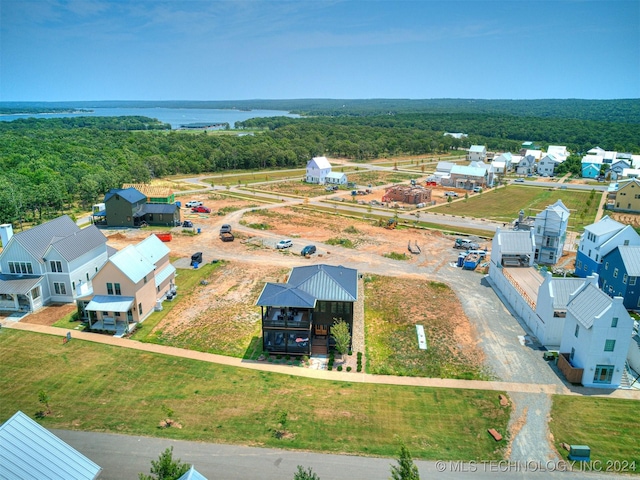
[(415, 248)]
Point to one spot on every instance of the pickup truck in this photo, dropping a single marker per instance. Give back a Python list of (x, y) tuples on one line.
[(463, 244), (201, 209), (226, 228), (193, 203), (227, 237)]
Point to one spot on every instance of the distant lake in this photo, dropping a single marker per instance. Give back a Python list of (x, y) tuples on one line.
[(173, 116)]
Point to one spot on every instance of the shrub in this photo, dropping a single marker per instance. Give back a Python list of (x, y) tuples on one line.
[(339, 368), (348, 369)]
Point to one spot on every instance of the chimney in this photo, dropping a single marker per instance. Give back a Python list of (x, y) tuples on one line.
[(6, 232)]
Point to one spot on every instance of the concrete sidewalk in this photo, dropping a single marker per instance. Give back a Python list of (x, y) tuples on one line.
[(324, 374)]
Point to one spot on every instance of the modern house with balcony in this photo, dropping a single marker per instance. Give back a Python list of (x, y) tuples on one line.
[(297, 316)]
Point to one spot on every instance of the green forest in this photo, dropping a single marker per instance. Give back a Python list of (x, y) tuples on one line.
[(51, 165)]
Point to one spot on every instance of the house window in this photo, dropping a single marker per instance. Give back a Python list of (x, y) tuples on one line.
[(117, 314), (596, 257), (577, 331), (614, 322), (87, 276), (615, 273), (606, 266), (145, 279), (589, 253), (117, 287), (572, 354), (109, 288), (626, 243), (73, 286), (56, 266), (59, 288), (20, 267), (585, 267), (609, 345), (35, 293), (632, 281), (624, 278), (140, 308)]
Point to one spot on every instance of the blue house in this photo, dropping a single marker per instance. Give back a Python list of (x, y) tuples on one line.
[(591, 165), (598, 240), (621, 275)]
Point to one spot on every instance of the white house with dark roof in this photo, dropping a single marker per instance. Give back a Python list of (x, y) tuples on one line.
[(596, 338), (31, 452), (51, 263), (317, 170), (477, 153)]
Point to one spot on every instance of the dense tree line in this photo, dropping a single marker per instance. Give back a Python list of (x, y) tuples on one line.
[(47, 165)]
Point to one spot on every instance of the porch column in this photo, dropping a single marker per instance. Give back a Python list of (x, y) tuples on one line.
[(16, 303)]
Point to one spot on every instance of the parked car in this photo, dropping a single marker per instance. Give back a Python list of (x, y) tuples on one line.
[(284, 244), (187, 224), (308, 250), (201, 209), (450, 194), (477, 189), (226, 228), (193, 203), (519, 180)]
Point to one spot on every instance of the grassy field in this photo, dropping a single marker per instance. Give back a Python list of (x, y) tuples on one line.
[(503, 204), (390, 331), (108, 389), (608, 426)]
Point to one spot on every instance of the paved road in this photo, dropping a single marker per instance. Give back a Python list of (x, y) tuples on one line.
[(124, 457)]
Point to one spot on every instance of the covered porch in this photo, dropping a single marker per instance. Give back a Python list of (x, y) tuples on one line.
[(109, 313), (20, 293)]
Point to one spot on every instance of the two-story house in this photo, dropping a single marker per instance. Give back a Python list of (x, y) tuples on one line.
[(54, 262), (628, 196), (477, 153), (596, 338), (317, 170), (297, 316), (128, 207), (598, 240), (129, 287), (620, 274), (547, 165), (592, 165), (550, 230)]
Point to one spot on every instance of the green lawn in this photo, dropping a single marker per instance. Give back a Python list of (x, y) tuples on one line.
[(608, 426), (390, 332), (503, 204), (109, 389)]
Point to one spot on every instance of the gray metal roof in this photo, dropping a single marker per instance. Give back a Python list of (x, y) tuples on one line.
[(163, 274), (285, 295), (30, 452), (631, 258), (79, 243), (130, 194), (37, 239), (589, 303), (110, 303), (514, 242), (562, 288), (469, 171), (18, 285), (327, 282), (605, 225), (160, 208)]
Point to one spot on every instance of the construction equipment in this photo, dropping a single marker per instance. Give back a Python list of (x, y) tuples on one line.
[(392, 223)]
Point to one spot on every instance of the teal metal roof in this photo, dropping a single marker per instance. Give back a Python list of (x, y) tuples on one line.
[(110, 303), (152, 248), (30, 452), (165, 273), (192, 474)]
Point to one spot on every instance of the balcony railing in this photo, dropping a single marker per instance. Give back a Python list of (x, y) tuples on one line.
[(276, 318)]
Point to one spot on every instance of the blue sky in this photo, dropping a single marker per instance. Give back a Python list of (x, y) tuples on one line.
[(64, 50)]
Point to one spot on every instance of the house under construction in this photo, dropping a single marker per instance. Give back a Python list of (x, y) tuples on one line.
[(407, 194)]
